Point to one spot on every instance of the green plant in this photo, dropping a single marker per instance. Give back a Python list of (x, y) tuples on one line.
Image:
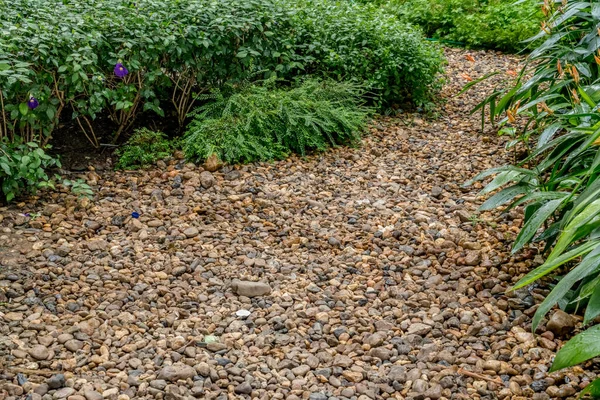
[(554, 116), (497, 24), (144, 148), (78, 60), (23, 169), (79, 188), (263, 122), (364, 44)]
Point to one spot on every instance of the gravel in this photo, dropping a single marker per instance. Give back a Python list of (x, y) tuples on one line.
[(366, 274)]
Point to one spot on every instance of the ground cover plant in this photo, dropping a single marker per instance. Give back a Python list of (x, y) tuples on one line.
[(258, 122), (495, 24), (554, 116), (144, 148)]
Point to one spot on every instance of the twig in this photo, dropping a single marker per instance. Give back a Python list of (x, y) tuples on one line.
[(479, 376), (44, 372)]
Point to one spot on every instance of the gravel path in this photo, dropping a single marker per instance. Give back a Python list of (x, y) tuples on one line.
[(376, 279)]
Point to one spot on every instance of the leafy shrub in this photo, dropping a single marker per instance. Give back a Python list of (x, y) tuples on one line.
[(145, 147), (262, 122), (556, 113), (23, 169), (368, 46), (76, 59), (496, 24), (170, 50)]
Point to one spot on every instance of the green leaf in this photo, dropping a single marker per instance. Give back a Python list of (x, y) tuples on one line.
[(551, 265), (23, 108), (500, 180), (6, 168), (593, 307), (4, 66), (582, 347), (547, 134), (589, 265), (592, 389), (504, 196), (574, 229), (493, 171), (533, 224)]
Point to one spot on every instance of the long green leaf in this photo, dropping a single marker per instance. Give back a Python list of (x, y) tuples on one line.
[(547, 134), (589, 265), (571, 232), (500, 180), (504, 196), (593, 307), (582, 347), (537, 196), (531, 226), (550, 266), (592, 389), (496, 170)]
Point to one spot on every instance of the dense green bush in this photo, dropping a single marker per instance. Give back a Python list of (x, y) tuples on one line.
[(496, 24), (366, 45), (171, 50), (553, 115), (144, 148), (262, 122), (75, 59), (23, 169)]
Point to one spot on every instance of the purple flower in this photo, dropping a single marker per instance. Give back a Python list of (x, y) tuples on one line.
[(120, 70), (33, 103)]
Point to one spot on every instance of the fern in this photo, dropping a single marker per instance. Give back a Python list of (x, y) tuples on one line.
[(259, 122)]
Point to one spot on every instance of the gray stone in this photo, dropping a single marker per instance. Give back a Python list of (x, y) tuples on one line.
[(207, 180), (39, 352), (56, 381), (243, 388), (250, 289), (176, 372)]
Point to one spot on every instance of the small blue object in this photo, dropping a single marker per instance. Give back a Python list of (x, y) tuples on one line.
[(135, 214)]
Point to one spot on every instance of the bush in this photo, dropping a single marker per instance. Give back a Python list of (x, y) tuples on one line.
[(144, 148), (553, 116), (368, 46), (169, 50), (75, 59), (495, 24), (23, 169), (262, 122)]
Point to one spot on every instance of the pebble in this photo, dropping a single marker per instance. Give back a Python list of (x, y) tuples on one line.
[(348, 274), (250, 289)]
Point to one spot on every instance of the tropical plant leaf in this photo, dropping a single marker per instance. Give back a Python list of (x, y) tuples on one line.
[(551, 265), (504, 196), (582, 347), (592, 389), (532, 225), (589, 265), (593, 307)]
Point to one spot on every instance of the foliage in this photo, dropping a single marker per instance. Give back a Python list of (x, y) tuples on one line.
[(79, 188), (145, 147), (496, 24), (368, 46), (554, 114), (23, 169), (68, 55), (171, 50), (261, 122)]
